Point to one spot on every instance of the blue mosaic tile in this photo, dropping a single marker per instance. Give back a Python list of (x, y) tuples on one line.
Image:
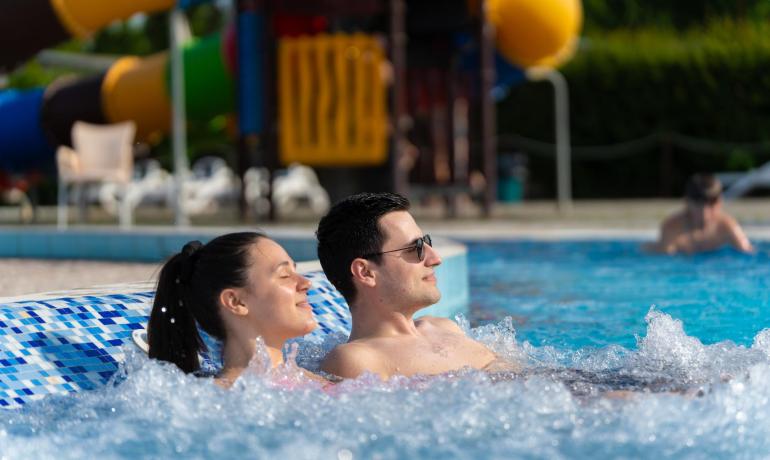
[(58, 344)]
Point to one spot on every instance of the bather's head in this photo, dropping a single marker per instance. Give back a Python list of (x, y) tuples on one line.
[(370, 246), (703, 196), (239, 286)]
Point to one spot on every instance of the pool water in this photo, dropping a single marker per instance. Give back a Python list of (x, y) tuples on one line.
[(594, 294), (578, 315)]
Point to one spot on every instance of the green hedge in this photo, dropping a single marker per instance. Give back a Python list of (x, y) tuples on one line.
[(613, 14), (703, 96)]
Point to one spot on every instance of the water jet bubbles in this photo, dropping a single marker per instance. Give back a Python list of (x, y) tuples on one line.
[(762, 342), (344, 454)]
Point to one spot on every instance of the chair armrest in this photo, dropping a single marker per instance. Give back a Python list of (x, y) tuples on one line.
[(68, 162)]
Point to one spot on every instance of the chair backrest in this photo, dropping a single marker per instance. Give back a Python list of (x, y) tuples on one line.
[(105, 149)]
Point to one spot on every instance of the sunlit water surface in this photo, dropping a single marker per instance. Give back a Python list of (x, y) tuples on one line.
[(579, 315)]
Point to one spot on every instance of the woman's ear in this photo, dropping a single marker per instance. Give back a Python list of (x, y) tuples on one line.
[(230, 300), (363, 272)]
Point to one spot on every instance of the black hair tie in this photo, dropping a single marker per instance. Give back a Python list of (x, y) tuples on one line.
[(189, 257)]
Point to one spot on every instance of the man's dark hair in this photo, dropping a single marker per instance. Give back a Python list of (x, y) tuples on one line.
[(351, 230), (703, 188)]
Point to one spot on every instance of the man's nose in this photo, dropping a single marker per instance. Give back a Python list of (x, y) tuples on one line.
[(431, 256)]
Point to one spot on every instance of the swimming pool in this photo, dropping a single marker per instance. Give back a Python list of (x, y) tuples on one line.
[(595, 294), (579, 308)]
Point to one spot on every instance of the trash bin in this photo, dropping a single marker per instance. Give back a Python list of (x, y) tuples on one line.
[(512, 177)]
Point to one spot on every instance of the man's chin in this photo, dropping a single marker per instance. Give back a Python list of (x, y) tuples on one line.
[(432, 299)]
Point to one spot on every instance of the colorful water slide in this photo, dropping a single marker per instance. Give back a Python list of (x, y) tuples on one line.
[(28, 26), (33, 122), (529, 33)]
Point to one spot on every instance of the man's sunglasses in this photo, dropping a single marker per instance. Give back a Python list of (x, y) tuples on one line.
[(418, 245)]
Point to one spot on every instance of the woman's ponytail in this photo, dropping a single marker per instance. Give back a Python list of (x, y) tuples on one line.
[(172, 331)]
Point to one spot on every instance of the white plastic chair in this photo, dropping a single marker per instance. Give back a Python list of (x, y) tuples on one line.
[(151, 185), (210, 184), (297, 188), (740, 184), (102, 153)]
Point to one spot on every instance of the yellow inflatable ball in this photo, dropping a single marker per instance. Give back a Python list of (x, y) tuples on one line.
[(536, 32)]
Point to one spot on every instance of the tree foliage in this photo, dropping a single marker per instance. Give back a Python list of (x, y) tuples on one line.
[(614, 14), (703, 94)]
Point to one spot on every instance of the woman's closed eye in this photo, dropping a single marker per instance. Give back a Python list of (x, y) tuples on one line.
[(286, 270)]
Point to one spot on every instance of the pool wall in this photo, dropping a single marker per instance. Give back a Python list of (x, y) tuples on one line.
[(147, 244), (155, 244)]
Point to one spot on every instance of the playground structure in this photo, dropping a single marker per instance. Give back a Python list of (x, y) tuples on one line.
[(401, 89)]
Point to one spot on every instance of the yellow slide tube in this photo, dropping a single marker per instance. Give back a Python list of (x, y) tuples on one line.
[(135, 89), (84, 17)]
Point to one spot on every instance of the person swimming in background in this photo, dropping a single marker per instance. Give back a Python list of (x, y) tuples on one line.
[(376, 255), (236, 288), (702, 225)]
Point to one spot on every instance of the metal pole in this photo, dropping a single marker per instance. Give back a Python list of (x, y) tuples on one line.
[(399, 116), (488, 109), (562, 126), (250, 73), (178, 31)]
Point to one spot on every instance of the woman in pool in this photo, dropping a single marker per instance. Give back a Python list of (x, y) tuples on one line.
[(236, 288)]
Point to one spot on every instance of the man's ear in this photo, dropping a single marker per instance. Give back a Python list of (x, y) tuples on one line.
[(230, 300), (361, 269)]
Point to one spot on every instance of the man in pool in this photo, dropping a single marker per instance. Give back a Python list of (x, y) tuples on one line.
[(375, 254), (702, 225)]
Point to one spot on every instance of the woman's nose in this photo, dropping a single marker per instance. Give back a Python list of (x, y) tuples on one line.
[(304, 283)]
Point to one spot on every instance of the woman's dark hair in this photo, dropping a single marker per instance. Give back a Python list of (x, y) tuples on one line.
[(188, 291), (349, 231)]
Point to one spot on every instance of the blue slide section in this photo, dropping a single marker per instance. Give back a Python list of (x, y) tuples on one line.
[(24, 145)]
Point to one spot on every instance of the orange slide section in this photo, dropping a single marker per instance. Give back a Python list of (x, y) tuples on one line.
[(84, 17)]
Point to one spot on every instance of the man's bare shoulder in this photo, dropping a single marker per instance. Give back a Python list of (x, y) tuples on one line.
[(728, 222), (732, 231), (441, 323), (349, 360)]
